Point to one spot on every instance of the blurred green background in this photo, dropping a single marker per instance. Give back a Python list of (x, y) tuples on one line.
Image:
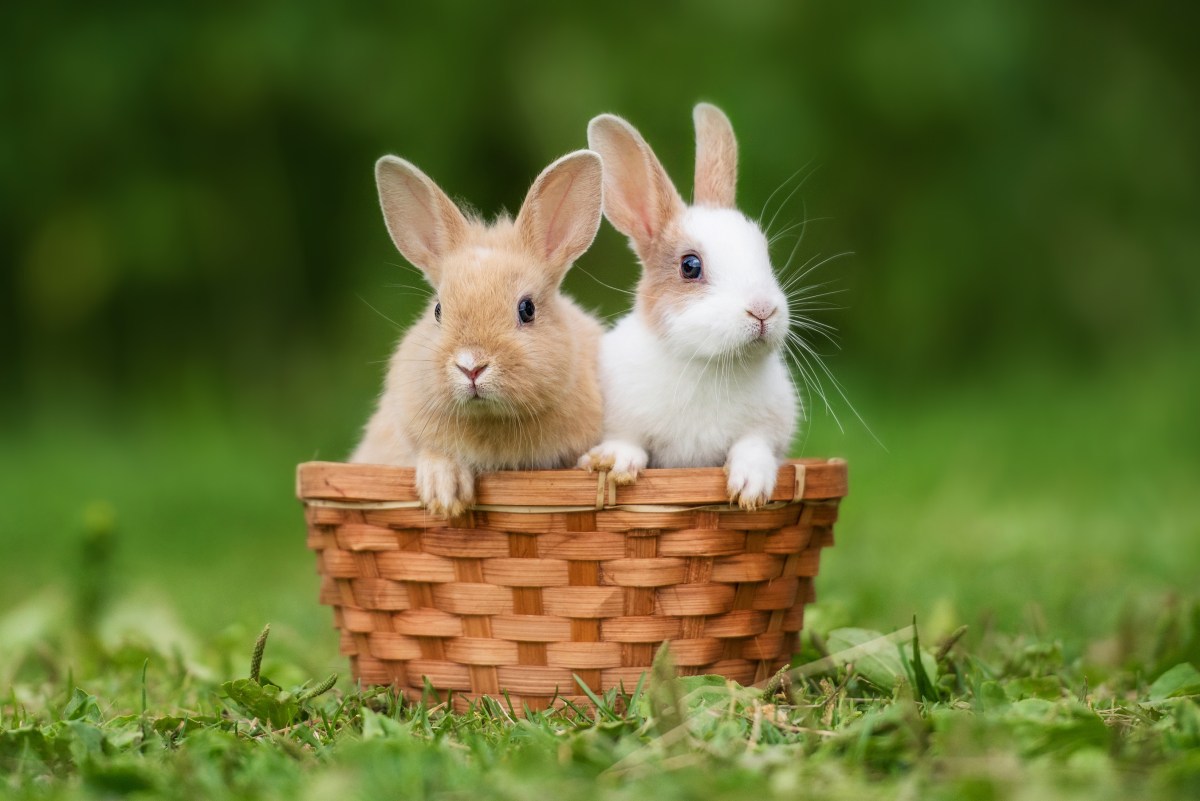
[(197, 289)]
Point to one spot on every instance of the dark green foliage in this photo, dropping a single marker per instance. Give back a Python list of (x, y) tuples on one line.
[(193, 216)]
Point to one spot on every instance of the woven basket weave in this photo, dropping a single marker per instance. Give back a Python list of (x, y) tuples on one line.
[(560, 574)]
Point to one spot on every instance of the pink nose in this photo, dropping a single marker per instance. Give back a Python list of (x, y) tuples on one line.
[(762, 311), (472, 373)]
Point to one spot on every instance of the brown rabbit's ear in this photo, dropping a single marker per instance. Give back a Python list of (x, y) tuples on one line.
[(561, 213), (639, 198), (423, 222), (716, 157)]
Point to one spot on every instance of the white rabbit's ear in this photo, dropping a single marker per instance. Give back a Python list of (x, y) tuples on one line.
[(423, 222), (561, 213), (716, 157), (639, 198)]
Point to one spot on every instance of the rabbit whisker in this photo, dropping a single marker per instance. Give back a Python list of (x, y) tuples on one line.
[(824, 261), (793, 288), (785, 201), (809, 354), (809, 384), (803, 295), (828, 336), (423, 291), (802, 225), (405, 266), (809, 266), (395, 325), (793, 281), (762, 212), (629, 292), (767, 228), (807, 323), (819, 306)]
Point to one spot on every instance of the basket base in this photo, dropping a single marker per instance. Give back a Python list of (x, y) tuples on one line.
[(517, 705)]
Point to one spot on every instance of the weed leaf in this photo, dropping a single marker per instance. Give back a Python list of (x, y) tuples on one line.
[(264, 702), (1183, 679)]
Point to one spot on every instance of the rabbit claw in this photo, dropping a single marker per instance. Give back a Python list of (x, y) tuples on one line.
[(445, 486), (751, 479), (622, 460)]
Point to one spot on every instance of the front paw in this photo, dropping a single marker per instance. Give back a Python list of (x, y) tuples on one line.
[(751, 479), (445, 486), (623, 460)]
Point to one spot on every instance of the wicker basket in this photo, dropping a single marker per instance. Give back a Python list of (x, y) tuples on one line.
[(555, 575)]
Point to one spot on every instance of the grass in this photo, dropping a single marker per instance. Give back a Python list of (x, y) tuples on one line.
[(1054, 516), (864, 716)]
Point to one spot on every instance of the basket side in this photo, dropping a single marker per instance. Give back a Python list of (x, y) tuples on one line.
[(524, 604)]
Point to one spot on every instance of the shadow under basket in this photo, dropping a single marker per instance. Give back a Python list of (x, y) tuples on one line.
[(559, 575)]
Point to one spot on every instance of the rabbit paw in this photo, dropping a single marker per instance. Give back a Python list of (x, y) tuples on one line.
[(623, 460), (751, 477), (445, 486)]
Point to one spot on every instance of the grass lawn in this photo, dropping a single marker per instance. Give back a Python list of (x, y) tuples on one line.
[(1054, 516)]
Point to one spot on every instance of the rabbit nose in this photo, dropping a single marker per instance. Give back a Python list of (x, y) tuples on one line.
[(472, 373), (762, 311)]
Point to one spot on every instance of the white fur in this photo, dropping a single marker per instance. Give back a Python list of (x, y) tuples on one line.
[(667, 409), (704, 384), (465, 359)]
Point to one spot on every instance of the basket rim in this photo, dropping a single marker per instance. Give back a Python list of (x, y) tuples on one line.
[(808, 479)]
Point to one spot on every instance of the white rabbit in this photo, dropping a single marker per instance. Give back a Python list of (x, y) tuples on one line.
[(694, 376)]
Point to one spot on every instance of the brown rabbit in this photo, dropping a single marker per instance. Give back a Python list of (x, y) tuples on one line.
[(500, 372)]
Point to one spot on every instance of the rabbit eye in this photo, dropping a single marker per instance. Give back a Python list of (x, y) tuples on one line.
[(437, 312), (690, 267), (525, 310)]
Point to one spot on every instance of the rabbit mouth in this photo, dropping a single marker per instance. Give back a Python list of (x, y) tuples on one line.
[(759, 337), (475, 395), (480, 400), (753, 346)]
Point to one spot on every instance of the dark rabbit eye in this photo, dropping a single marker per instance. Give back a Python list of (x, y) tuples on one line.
[(690, 267), (437, 312), (525, 310)]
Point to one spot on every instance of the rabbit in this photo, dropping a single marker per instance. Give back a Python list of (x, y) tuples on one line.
[(501, 370), (694, 375)]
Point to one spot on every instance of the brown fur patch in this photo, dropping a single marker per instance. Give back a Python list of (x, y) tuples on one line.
[(661, 288), (716, 158)]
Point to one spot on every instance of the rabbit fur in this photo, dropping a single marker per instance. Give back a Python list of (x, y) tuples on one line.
[(473, 386)]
